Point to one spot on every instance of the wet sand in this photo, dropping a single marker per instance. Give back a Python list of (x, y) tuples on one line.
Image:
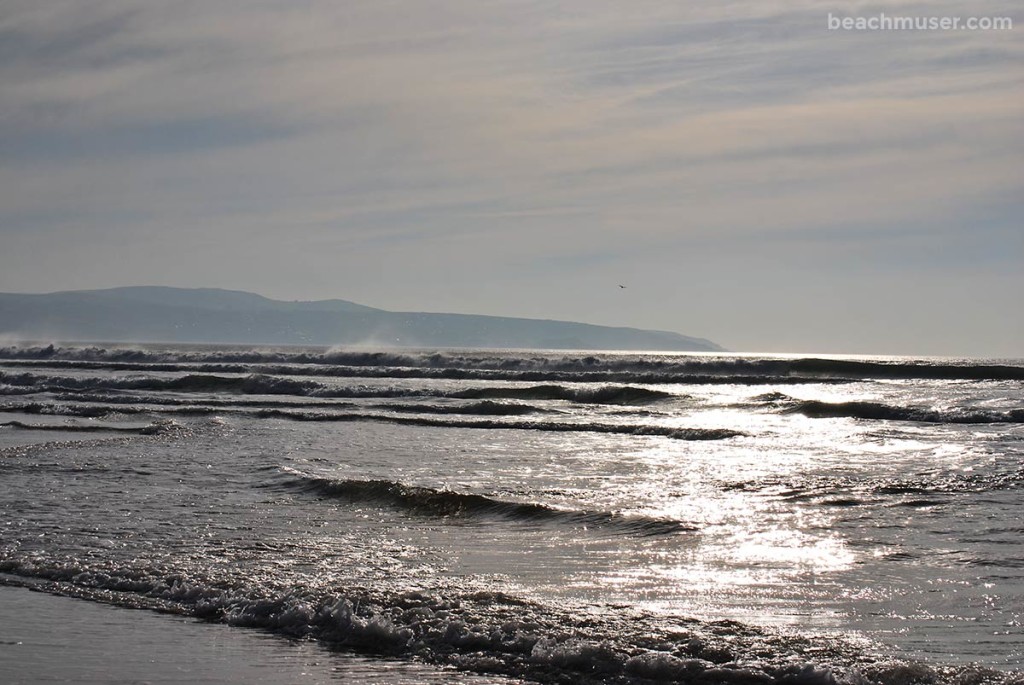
[(49, 639)]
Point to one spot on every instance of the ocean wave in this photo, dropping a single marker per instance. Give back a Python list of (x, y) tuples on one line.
[(550, 426), (880, 411), (99, 411), (329, 412), (101, 406), (256, 384), (611, 394), (249, 385), (155, 428), (450, 504), (413, 372), (81, 411), (773, 397), (124, 403), (7, 390), (924, 489), (663, 366), (484, 408), (447, 374), (491, 632)]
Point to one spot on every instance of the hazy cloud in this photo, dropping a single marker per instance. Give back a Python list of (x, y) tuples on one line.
[(517, 157)]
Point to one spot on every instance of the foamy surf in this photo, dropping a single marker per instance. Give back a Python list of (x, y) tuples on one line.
[(493, 633)]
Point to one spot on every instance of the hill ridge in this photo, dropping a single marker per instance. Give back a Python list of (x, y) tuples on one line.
[(216, 315)]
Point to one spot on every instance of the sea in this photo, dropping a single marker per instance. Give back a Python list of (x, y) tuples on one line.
[(540, 516)]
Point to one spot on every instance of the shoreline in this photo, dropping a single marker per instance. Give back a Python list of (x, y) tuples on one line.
[(55, 639)]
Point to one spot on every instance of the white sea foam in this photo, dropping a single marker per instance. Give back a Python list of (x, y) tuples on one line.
[(484, 633)]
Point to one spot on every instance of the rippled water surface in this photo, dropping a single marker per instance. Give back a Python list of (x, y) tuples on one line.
[(544, 515)]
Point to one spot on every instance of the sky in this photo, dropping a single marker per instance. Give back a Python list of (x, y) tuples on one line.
[(749, 175)]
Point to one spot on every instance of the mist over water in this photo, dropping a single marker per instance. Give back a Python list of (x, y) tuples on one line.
[(554, 516)]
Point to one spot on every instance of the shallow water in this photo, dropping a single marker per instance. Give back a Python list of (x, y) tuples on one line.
[(537, 514)]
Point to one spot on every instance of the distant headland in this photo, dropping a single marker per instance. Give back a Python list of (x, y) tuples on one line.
[(211, 315)]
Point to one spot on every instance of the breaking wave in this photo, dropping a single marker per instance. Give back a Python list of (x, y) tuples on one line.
[(106, 405), (255, 384), (612, 394), (154, 428), (291, 411), (246, 385), (550, 426), (880, 411), (634, 367), (923, 490), (490, 632), (484, 408), (335, 371), (449, 504)]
